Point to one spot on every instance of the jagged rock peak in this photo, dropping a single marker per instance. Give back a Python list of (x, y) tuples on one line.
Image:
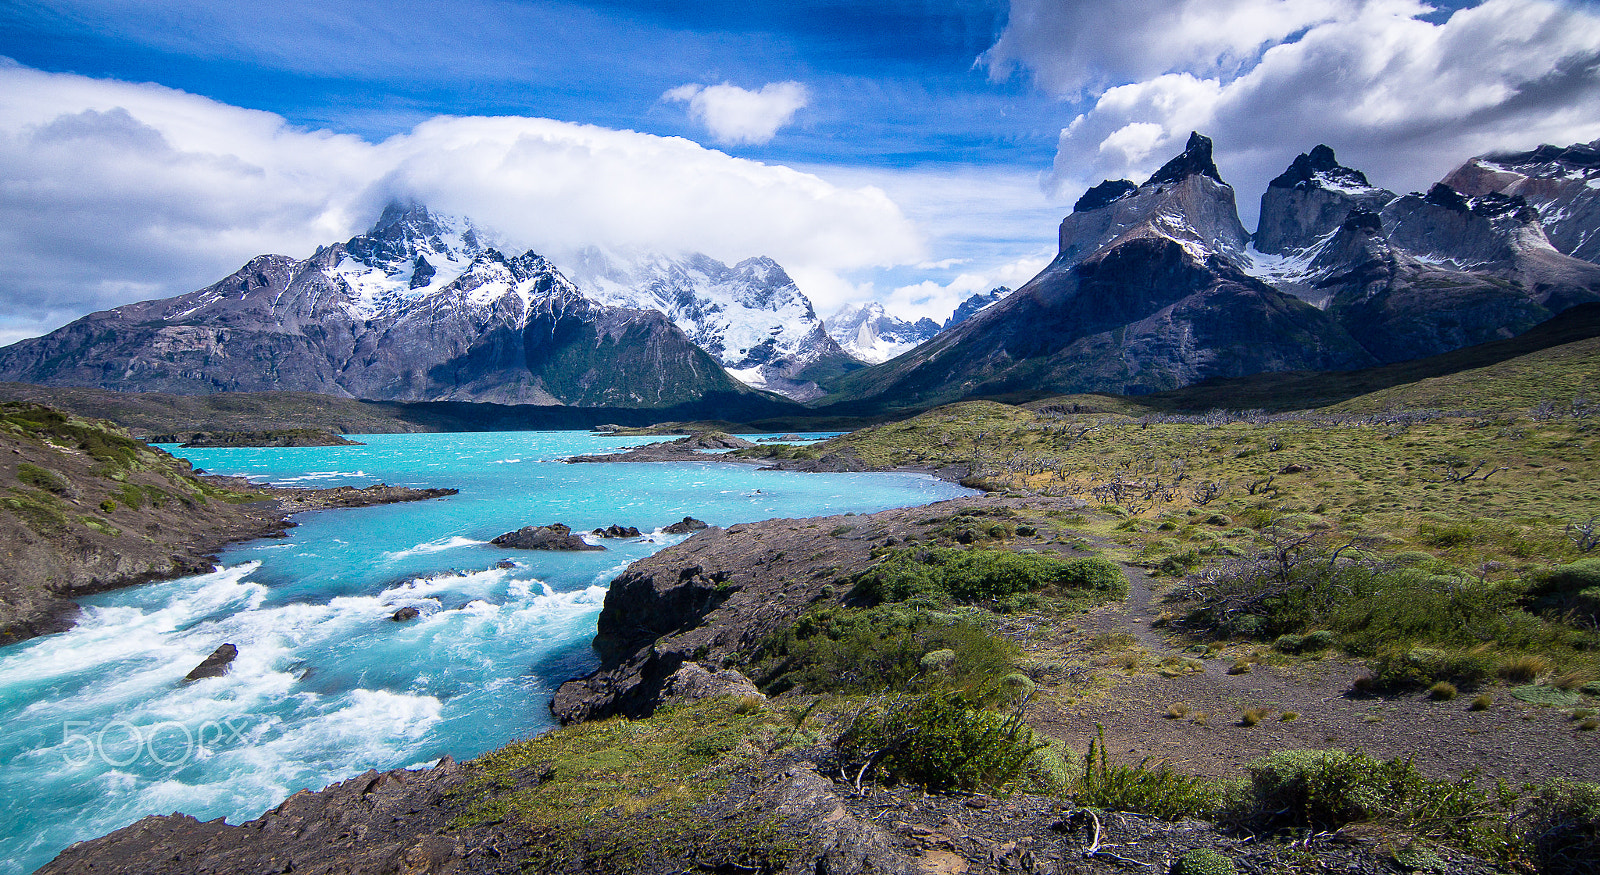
[(1319, 169), (1442, 195), (1105, 194), (1195, 161), (1493, 205)]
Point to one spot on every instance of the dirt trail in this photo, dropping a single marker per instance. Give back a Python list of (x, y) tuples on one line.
[(1511, 739)]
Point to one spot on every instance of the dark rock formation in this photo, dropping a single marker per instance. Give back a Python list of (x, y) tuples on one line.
[(1104, 195), (1312, 198), (616, 531), (405, 614), (215, 665), (684, 526), (552, 537), (684, 449), (974, 305)]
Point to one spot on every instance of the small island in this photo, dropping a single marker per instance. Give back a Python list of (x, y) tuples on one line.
[(278, 437)]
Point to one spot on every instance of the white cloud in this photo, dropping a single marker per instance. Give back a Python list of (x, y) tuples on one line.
[(735, 115), (1401, 97), (116, 192), (937, 300)]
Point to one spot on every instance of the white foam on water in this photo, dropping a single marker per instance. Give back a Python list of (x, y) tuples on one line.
[(314, 476), (438, 545)]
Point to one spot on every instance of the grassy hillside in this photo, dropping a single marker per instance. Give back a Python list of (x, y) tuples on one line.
[(85, 507)]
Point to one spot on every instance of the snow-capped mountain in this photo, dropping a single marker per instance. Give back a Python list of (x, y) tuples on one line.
[(751, 317), (972, 306), (420, 308), (1562, 184), (869, 333)]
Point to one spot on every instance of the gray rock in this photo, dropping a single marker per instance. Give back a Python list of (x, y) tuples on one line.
[(555, 536), (694, 681), (685, 526), (215, 665), (406, 613)]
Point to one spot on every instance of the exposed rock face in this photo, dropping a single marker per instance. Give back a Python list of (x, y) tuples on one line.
[(420, 308), (552, 537), (685, 526), (215, 665), (1312, 198), (1561, 184), (870, 334), (694, 681)]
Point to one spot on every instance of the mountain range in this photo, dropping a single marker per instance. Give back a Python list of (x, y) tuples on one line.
[(1155, 286), (1158, 285)]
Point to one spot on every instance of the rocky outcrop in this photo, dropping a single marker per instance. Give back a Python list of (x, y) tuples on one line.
[(292, 437), (684, 526), (684, 449), (555, 536), (617, 531), (721, 592), (215, 665), (974, 305)]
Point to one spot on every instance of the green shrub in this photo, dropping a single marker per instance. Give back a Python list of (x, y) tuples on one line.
[(1203, 861), (40, 478), (1419, 667), (940, 742), (1567, 589), (1145, 789), (1323, 790), (885, 648), (1560, 826), (979, 575)]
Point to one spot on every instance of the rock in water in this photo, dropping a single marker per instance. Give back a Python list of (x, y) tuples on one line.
[(215, 665), (405, 613), (684, 527), (617, 531), (552, 537)]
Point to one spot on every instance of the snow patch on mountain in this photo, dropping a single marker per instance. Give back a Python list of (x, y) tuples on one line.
[(871, 334)]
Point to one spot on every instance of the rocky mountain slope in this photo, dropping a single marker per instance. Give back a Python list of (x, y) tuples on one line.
[(1159, 285), (1562, 184), (420, 308), (751, 317)]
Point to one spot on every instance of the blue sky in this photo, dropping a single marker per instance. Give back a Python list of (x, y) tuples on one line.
[(911, 152)]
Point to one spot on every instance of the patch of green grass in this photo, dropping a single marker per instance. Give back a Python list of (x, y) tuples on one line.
[(32, 475), (985, 576), (885, 648), (940, 742), (1146, 788), (628, 793)]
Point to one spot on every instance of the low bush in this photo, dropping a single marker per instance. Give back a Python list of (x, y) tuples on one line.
[(1567, 590), (886, 648), (939, 741), (1559, 824), (1323, 790), (1145, 789), (40, 478), (943, 575), (1203, 861), (1419, 667)]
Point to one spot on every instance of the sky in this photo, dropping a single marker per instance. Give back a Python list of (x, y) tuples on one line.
[(907, 151)]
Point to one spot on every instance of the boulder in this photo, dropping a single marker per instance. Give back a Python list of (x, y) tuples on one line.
[(617, 531), (215, 665), (406, 613), (693, 682), (552, 537), (685, 526)]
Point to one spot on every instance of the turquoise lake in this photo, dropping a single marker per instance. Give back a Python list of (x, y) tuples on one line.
[(100, 730)]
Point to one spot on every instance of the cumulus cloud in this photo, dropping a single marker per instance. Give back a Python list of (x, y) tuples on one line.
[(117, 192), (938, 300), (1403, 97), (735, 115)]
